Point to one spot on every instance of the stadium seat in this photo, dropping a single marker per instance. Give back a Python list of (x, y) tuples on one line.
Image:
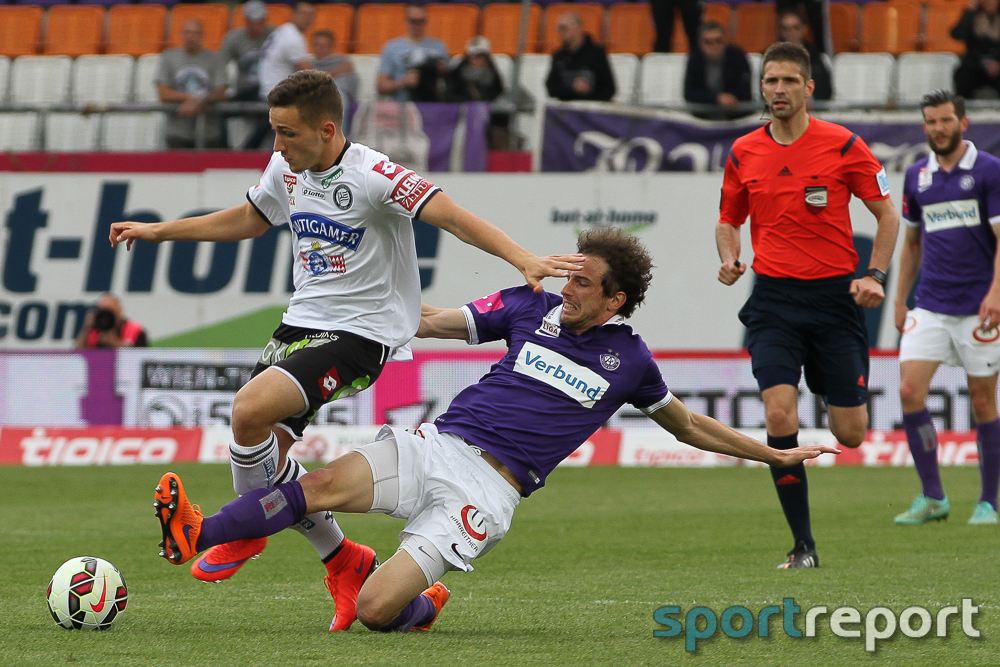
[(40, 80), (144, 87), (366, 67), (661, 79), (339, 20), (505, 66), (377, 24), (534, 70), (863, 78), (756, 26), (755, 61), (66, 131), (889, 28), (592, 14), (4, 78), (19, 131), (102, 79), (844, 26), (453, 24), (718, 12), (625, 67), (277, 14), (20, 30), (142, 131), (502, 24), (920, 73), (941, 18), (630, 28), (72, 30), (136, 30), (214, 16)]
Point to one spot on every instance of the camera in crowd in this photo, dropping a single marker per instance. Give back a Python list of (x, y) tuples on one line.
[(104, 320)]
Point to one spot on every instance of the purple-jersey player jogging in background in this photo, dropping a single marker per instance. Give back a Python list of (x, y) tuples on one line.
[(571, 363), (951, 202)]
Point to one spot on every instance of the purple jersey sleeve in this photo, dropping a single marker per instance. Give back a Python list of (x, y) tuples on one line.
[(652, 393), (492, 317)]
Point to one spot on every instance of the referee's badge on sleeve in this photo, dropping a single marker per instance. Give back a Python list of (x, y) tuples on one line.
[(816, 195), (883, 182)]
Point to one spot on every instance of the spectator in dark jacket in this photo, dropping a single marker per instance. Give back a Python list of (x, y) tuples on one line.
[(580, 69), (474, 78), (979, 28), (717, 73), (792, 29)]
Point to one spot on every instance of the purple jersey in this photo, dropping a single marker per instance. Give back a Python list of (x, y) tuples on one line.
[(553, 388), (955, 211)]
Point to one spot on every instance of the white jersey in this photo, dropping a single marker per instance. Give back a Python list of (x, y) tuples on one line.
[(355, 262), (284, 49)]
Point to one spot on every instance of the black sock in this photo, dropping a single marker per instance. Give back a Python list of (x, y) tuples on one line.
[(793, 491)]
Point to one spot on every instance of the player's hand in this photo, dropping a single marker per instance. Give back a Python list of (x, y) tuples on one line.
[(730, 272), (989, 311), (901, 311), (128, 232), (867, 292), (796, 455), (557, 266)]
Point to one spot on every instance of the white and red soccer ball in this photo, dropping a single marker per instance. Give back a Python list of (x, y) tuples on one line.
[(87, 593)]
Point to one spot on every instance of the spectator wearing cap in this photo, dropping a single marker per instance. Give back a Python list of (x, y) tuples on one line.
[(245, 47), (717, 73), (580, 69), (336, 65), (410, 67), (474, 78), (194, 77)]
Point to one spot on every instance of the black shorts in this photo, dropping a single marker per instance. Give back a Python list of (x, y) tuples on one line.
[(811, 324), (326, 365)]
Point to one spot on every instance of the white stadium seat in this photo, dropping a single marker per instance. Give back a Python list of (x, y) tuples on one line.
[(863, 78), (366, 67), (69, 131), (19, 131), (626, 69), (40, 80), (755, 60), (661, 81), (4, 78), (534, 70), (920, 73), (141, 131), (505, 66), (144, 88), (102, 79)]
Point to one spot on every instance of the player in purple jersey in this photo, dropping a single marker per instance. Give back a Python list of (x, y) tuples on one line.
[(571, 363), (951, 202)]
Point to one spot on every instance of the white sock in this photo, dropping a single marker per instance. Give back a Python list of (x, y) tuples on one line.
[(254, 467), (320, 528)]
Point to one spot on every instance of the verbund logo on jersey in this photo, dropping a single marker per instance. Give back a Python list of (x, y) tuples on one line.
[(316, 226), (555, 370), (951, 214)]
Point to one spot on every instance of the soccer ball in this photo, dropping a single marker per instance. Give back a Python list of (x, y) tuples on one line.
[(87, 593)]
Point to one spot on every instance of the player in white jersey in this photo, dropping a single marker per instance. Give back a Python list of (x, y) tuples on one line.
[(356, 301)]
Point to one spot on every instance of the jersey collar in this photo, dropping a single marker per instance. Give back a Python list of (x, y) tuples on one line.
[(967, 162), (336, 163)]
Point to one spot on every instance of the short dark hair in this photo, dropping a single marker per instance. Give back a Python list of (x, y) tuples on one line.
[(710, 26), (313, 93), (630, 268), (936, 98), (324, 33), (787, 52)]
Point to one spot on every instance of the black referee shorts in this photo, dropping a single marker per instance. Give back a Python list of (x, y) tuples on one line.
[(813, 325), (326, 365)]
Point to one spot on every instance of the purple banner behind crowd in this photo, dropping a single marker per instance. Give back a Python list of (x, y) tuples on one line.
[(578, 138)]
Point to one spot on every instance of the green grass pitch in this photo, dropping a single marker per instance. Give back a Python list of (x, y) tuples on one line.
[(576, 582)]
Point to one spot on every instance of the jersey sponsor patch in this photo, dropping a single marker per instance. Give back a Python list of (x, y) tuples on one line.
[(951, 214), (578, 382), (316, 194), (290, 183), (310, 225), (883, 182), (343, 197), (388, 169), (816, 195), (318, 263), (489, 303), (410, 190), (924, 179)]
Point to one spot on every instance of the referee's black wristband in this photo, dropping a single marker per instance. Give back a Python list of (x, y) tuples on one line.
[(879, 276)]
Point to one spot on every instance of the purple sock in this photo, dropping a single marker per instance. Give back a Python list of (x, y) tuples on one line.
[(988, 441), (259, 513), (421, 610), (922, 439)]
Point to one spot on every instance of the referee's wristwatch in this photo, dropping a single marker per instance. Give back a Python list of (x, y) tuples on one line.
[(879, 276)]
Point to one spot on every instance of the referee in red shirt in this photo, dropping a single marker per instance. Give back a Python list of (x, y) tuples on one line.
[(794, 177)]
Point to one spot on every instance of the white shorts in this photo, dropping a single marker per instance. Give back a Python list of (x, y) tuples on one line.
[(449, 495), (955, 340)]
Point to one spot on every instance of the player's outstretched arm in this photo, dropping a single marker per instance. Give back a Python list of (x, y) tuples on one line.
[(441, 211), (867, 291), (910, 260), (231, 224), (708, 434), (442, 323)]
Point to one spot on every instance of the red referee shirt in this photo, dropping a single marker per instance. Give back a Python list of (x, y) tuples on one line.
[(797, 198)]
